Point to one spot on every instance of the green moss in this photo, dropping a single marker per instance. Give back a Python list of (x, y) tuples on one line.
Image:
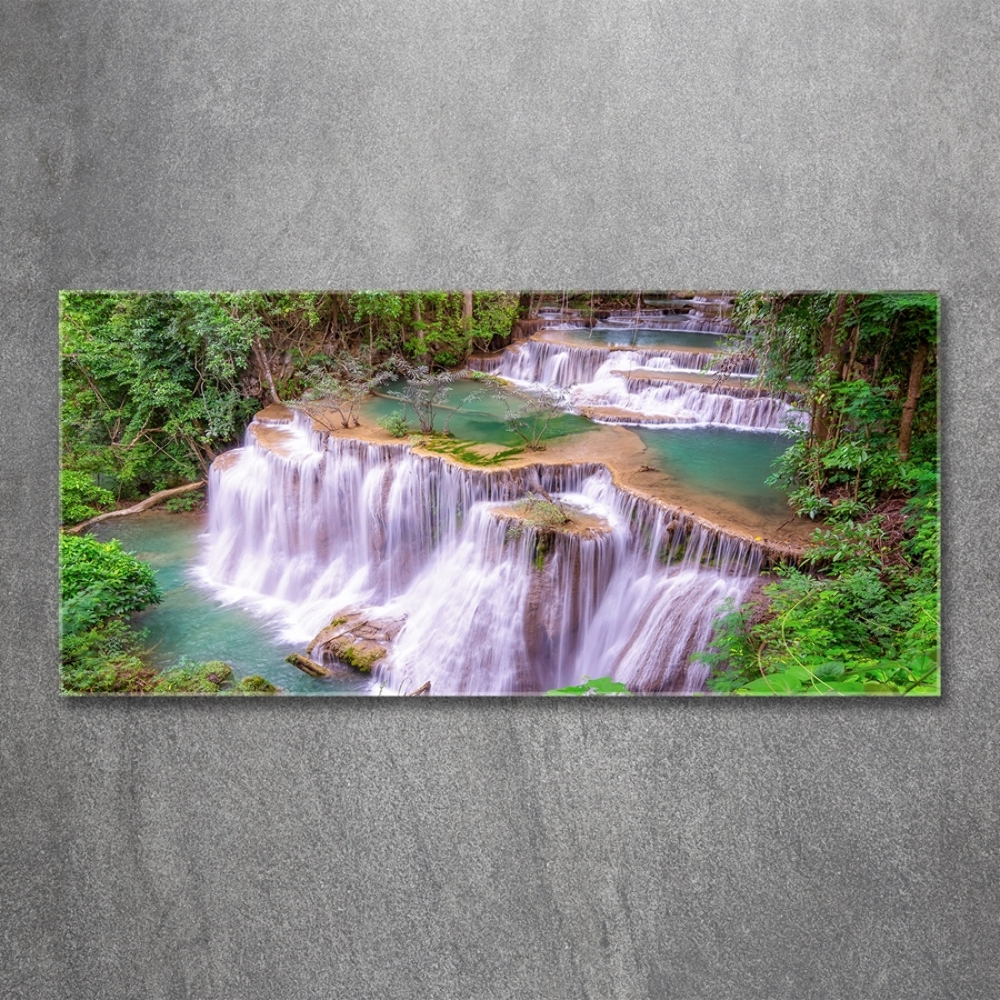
[(338, 621), (541, 513), (541, 550), (465, 451), (361, 660), (255, 684)]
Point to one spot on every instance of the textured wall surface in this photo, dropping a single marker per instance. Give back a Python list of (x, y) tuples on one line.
[(315, 849)]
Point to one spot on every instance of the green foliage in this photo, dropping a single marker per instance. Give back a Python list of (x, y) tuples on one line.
[(185, 502), (431, 327), (80, 497), (395, 424), (861, 616), (100, 585), (590, 688), (194, 678), (151, 383), (849, 356), (103, 573), (102, 659), (869, 625)]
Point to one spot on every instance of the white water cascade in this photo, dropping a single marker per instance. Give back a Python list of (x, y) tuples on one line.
[(646, 401), (304, 526), (564, 366), (625, 383), (693, 321)]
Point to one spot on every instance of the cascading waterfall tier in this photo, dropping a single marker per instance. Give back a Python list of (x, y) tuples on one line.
[(629, 387), (700, 314), (564, 366), (639, 401), (305, 525), (693, 321)]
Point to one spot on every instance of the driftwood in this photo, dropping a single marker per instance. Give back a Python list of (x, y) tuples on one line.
[(424, 688), (307, 666), (150, 501)]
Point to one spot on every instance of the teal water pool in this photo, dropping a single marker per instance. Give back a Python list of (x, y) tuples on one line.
[(193, 624), (729, 464), (641, 339), (474, 412)]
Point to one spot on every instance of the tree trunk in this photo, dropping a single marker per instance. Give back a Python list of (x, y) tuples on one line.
[(418, 322), (830, 352), (910, 406), (467, 310), (307, 666), (831, 326), (266, 368), (150, 501)]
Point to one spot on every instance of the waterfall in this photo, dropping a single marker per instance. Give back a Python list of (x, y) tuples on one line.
[(596, 379), (304, 525), (638, 401), (564, 366), (694, 321)]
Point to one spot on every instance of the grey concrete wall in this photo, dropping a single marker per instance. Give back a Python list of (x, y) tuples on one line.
[(299, 849)]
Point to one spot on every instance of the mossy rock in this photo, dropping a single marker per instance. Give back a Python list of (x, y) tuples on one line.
[(360, 657), (255, 684), (547, 517), (356, 638)]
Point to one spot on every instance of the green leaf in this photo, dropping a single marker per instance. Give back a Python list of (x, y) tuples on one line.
[(773, 684)]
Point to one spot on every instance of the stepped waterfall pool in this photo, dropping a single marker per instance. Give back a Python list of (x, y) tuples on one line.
[(396, 565)]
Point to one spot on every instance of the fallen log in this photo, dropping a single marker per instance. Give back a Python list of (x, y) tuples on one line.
[(150, 501), (307, 666), (424, 688)]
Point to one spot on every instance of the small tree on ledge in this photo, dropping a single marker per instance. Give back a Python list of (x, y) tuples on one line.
[(341, 390)]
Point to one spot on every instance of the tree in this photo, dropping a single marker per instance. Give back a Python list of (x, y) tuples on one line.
[(848, 357), (341, 389), (424, 391), (862, 613), (151, 385), (529, 415)]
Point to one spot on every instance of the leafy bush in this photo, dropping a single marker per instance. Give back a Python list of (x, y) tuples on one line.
[(102, 659), (194, 678), (80, 497), (869, 625), (99, 585), (395, 424), (115, 581), (185, 502)]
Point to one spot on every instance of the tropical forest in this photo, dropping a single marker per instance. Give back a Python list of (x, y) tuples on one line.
[(607, 493)]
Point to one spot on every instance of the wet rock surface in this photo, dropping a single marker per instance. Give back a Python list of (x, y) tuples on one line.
[(357, 638)]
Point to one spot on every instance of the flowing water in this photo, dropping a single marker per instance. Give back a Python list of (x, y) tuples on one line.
[(309, 527), (306, 528), (189, 623), (642, 387)]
